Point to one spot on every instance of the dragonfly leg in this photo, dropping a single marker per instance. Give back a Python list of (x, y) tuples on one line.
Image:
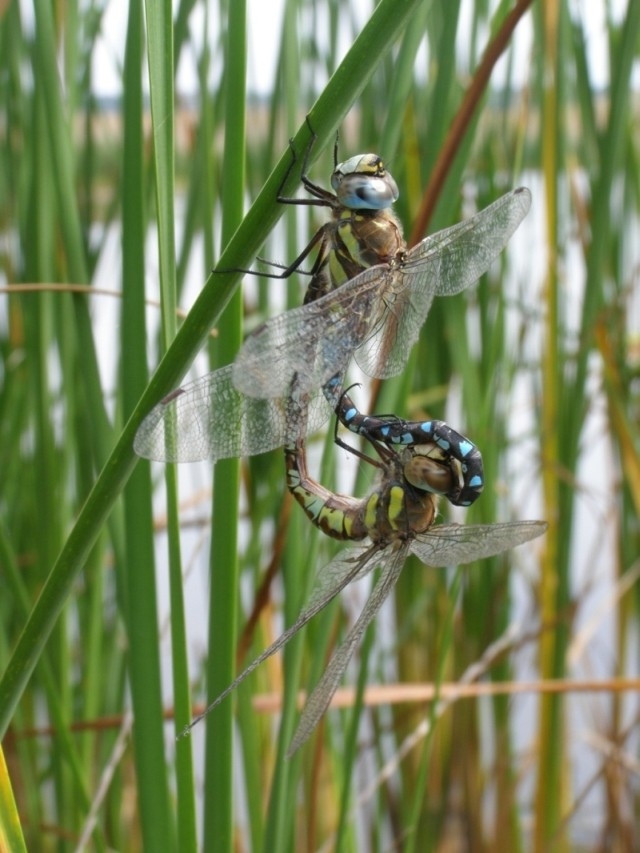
[(321, 197)]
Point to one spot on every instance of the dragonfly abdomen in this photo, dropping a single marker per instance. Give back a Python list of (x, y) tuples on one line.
[(338, 516), (396, 510)]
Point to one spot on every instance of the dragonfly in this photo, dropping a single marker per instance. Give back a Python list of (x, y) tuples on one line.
[(394, 520), (352, 307)]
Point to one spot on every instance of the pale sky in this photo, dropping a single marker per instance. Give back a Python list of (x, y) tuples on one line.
[(265, 22)]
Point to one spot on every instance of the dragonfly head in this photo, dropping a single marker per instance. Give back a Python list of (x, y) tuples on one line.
[(424, 469), (362, 183)]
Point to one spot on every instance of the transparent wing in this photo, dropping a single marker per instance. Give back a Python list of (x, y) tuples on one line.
[(378, 314), (210, 419), (451, 544), (315, 341), (468, 249), (448, 544), (349, 565), (320, 698), (443, 264)]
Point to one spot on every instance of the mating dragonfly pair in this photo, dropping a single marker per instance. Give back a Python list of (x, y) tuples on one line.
[(368, 298)]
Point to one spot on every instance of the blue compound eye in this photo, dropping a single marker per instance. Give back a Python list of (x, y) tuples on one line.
[(362, 183)]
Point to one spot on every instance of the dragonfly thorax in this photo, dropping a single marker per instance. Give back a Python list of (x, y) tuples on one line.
[(362, 183), (398, 511), (361, 240), (354, 241)]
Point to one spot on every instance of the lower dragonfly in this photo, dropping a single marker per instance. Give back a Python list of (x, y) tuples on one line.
[(397, 518), (372, 311)]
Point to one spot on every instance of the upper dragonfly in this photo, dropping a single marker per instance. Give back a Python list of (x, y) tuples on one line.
[(397, 520), (373, 312)]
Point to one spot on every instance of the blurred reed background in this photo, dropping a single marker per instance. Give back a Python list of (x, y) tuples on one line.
[(104, 639)]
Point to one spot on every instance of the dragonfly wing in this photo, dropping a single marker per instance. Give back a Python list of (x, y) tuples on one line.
[(210, 419), (401, 313), (451, 544), (350, 564), (443, 264), (320, 698), (314, 342), (467, 249)]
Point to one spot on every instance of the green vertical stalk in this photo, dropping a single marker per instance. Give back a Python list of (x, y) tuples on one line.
[(416, 799), (290, 61), (140, 586), (297, 570), (223, 608), (50, 508), (550, 761)]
